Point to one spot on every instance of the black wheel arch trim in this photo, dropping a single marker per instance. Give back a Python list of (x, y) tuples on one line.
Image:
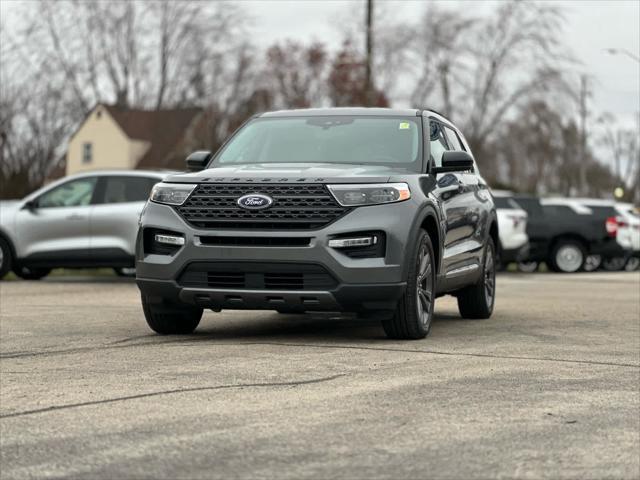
[(427, 211)]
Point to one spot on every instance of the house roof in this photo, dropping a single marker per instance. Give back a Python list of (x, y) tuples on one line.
[(163, 129)]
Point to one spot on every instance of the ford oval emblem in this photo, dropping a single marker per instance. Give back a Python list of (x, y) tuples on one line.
[(255, 201)]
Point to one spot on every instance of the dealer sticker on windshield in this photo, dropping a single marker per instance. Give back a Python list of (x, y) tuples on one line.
[(404, 126)]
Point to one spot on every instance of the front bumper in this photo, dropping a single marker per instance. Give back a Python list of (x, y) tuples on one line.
[(345, 298), (361, 283)]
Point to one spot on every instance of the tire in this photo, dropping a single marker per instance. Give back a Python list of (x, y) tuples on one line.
[(592, 263), (567, 256), (126, 272), (171, 319), (414, 313), (27, 273), (614, 264), (477, 301), (528, 267), (632, 264), (6, 258)]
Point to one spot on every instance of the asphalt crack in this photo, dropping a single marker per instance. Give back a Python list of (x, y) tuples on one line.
[(190, 341), (170, 392)]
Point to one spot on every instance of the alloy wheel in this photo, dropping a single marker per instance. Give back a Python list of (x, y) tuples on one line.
[(632, 264), (569, 258), (489, 276), (592, 262), (424, 288)]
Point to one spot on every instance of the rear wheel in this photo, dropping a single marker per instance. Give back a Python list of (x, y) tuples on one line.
[(528, 267), (413, 315), (28, 273), (128, 272), (567, 256), (6, 258), (171, 319), (476, 301), (633, 264), (614, 264)]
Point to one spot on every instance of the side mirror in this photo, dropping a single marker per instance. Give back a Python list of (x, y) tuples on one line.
[(31, 205), (198, 160), (455, 161)]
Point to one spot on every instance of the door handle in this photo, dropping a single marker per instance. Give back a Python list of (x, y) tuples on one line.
[(75, 216)]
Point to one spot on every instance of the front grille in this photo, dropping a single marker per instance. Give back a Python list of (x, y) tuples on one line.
[(256, 276), (299, 207)]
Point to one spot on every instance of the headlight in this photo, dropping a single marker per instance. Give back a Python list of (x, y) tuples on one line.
[(171, 193), (370, 194)]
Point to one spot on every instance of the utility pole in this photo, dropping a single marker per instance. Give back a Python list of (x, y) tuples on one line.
[(369, 34), (584, 92)]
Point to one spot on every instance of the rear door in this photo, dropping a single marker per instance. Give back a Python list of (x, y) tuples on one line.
[(114, 218), (56, 229)]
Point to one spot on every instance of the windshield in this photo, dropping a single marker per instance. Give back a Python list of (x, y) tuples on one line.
[(389, 141)]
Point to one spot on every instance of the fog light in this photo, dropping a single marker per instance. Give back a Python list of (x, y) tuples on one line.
[(353, 242), (169, 239)]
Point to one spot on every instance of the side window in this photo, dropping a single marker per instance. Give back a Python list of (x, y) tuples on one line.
[(75, 193), (437, 142), (127, 189), (531, 206), (558, 210), (453, 140)]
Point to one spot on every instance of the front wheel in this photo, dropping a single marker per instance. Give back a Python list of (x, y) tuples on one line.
[(413, 315), (171, 319), (592, 263), (27, 273), (476, 301), (5, 258), (528, 267)]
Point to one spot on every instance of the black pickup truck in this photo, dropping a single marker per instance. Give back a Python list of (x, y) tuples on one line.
[(563, 232)]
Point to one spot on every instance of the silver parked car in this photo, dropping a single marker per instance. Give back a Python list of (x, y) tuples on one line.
[(81, 221)]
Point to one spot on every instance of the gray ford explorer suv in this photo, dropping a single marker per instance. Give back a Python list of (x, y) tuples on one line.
[(373, 211)]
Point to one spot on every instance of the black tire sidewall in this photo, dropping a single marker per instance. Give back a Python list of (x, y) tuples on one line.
[(7, 258), (490, 246), (406, 322)]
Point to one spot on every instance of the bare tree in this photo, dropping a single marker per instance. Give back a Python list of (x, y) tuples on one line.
[(297, 74), (477, 70)]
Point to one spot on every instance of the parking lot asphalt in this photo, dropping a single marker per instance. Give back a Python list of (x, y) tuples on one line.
[(548, 387)]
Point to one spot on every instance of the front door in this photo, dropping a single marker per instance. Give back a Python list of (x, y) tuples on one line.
[(454, 192), (54, 228)]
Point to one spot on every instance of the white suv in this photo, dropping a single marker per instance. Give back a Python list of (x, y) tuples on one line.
[(629, 233), (512, 228), (85, 220)]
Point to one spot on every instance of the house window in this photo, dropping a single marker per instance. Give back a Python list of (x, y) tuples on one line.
[(87, 152)]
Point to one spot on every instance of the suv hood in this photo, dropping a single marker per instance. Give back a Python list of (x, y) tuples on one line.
[(289, 172)]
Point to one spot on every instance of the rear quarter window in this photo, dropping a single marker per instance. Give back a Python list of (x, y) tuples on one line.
[(603, 211)]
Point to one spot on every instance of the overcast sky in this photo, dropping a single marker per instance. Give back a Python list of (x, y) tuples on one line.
[(591, 27)]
